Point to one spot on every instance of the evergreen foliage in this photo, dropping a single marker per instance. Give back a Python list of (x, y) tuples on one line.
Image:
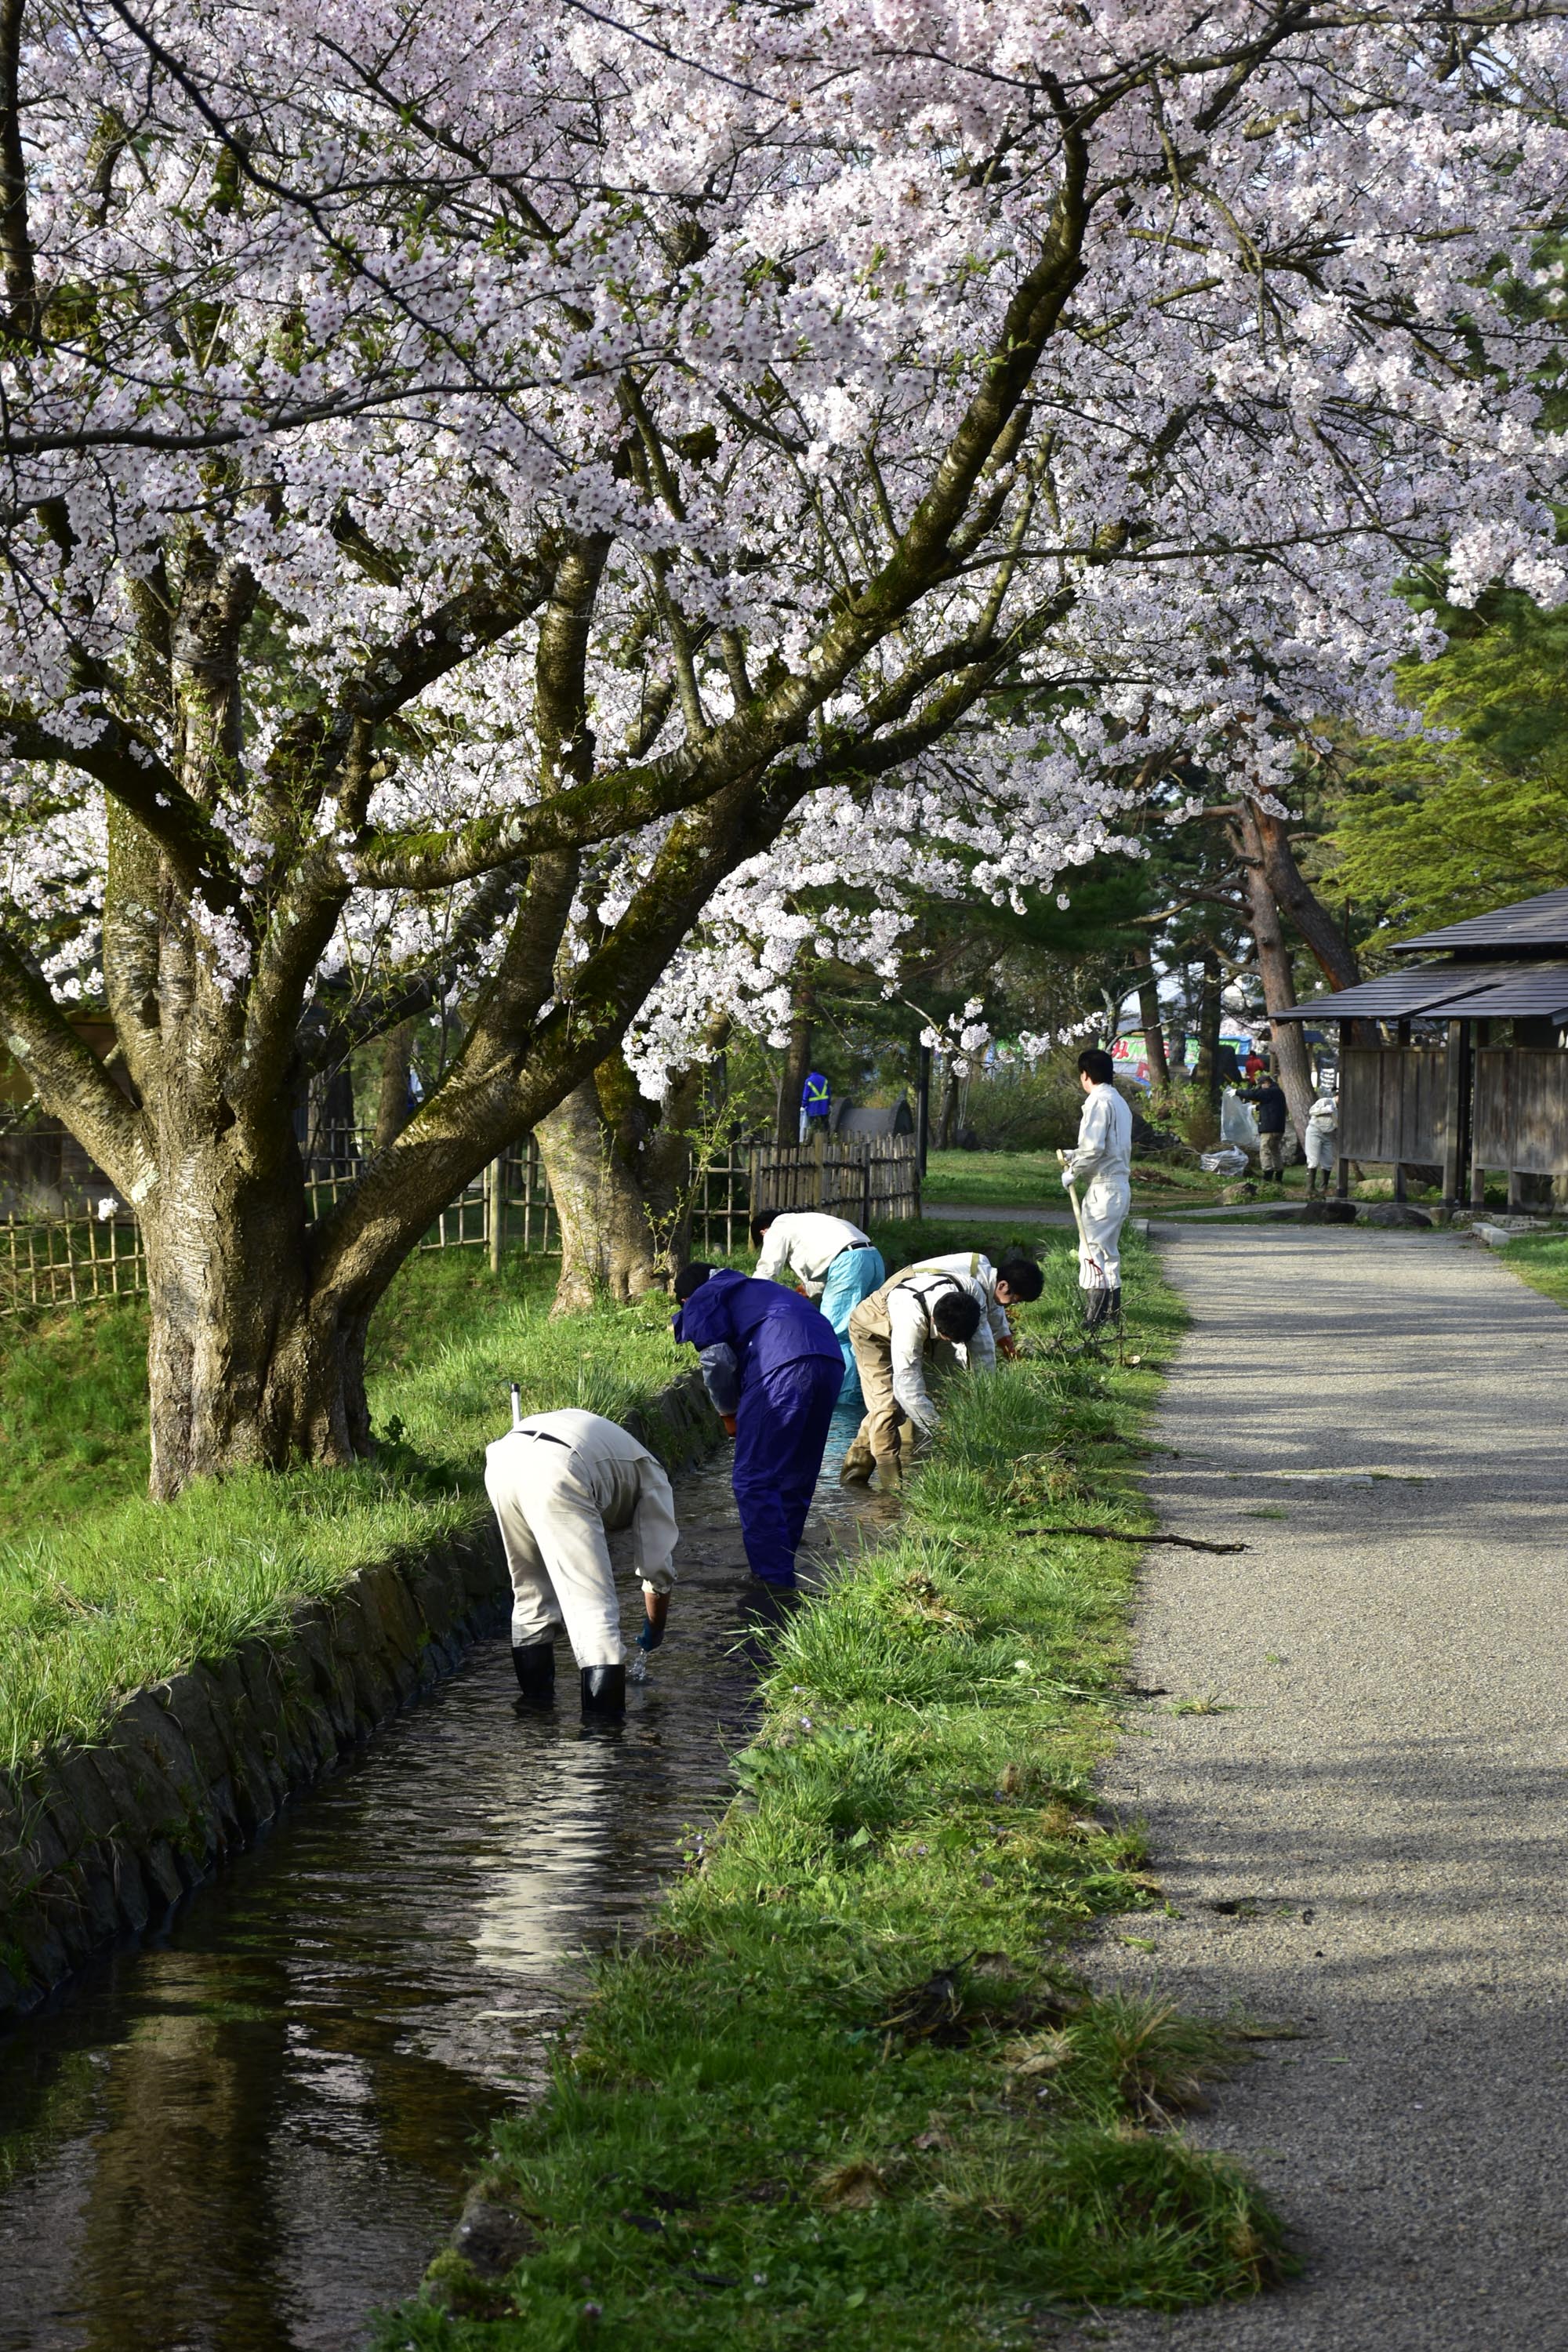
[(1447, 825)]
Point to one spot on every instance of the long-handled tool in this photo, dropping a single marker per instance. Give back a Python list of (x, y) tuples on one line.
[(516, 1406), (1072, 1196)]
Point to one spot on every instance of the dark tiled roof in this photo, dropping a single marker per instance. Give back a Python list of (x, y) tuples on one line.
[(1530, 991), (1399, 995), (1530, 924)]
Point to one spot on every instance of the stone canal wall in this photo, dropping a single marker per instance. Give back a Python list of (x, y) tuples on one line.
[(100, 1843)]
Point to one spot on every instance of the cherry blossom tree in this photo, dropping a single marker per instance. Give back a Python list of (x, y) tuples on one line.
[(477, 478)]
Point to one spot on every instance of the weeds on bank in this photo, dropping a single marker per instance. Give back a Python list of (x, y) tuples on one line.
[(847, 2091)]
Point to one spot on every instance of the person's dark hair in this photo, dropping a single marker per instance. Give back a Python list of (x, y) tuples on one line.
[(956, 1315), (691, 1278), (1022, 1277), (761, 1222), (1096, 1063)]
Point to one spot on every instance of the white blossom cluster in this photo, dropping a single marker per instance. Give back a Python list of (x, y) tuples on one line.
[(358, 313)]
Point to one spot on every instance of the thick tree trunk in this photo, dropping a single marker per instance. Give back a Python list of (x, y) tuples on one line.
[(1321, 935), (665, 1165), (1205, 1069), (247, 1367), (1154, 1029), (606, 1241), (392, 1097), (948, 1122), (797, 1065), (1290, 1058)]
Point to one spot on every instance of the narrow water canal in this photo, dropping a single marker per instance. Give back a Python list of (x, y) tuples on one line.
[(249, 2136)]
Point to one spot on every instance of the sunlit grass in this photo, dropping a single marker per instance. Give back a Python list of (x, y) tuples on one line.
[(1542, 1263)]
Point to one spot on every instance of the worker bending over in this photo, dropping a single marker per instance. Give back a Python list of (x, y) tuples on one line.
[(921, 1321), (1016, 1282), (772, 1366), (834, 1262), (1103, 1166), (557, 1482)]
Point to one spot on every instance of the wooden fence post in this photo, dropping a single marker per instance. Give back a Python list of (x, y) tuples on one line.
[(495, 1210)]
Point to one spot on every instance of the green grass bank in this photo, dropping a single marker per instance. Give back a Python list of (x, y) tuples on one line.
[(102, 1591), (847, 2091)]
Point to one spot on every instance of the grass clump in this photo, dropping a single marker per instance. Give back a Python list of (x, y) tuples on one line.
[(1541, 1260), (73, 1412), (848, 2091)]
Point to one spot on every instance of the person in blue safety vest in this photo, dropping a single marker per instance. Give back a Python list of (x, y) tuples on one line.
[(815, 1102), (772, 1366), (834, 1262)]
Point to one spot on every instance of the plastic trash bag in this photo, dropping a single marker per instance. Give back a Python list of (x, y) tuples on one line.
[(1229, 1162), (1237, 1124)]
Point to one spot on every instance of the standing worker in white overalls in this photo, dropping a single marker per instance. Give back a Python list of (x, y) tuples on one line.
[(1322, 1136), (1101, 1169)]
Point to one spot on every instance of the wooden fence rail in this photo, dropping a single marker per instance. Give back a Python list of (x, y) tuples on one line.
[(58, 1261)]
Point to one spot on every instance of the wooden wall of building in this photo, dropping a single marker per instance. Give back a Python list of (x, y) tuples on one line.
[(1394, 1103), (1522, 1109)]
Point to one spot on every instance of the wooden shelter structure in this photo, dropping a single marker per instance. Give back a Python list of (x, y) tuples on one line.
[(1475, 1074)]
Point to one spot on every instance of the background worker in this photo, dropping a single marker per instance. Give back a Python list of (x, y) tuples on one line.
[(1322, 1138), (1101, 1168), (557, 1482), (1272, 1111), (922, 1320), (1016, 1281), (772, 1366), (834, 1262), (815, 1105)]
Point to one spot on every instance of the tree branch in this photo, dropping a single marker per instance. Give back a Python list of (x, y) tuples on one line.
[(70, 1079)]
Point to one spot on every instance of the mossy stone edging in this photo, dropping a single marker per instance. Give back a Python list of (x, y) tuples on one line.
[(101, 1842)]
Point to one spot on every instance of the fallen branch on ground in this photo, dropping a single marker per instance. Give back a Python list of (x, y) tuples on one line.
[(1121, 1535)]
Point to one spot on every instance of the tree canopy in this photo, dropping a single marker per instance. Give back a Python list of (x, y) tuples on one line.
[(1433, 827)]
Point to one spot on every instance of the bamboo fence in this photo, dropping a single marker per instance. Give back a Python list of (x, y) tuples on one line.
[(65, 1260)]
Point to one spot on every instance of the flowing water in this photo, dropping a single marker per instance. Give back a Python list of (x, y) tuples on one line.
[(248, 2134)]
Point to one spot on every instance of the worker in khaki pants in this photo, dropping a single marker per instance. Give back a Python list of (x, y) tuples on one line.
[(922, 1317)]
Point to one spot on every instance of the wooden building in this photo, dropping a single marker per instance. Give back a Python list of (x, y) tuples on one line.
[(1471, 1074)]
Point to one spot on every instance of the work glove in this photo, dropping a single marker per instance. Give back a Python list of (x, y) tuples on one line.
[(729, 1420), (649, 1638)]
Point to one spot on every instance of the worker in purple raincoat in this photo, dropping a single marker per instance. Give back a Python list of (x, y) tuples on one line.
[(773, 1367)]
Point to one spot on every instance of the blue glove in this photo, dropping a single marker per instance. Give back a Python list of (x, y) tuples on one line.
[(649, 1638)]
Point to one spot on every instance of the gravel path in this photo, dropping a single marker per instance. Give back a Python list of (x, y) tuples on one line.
[(1373, 1843)]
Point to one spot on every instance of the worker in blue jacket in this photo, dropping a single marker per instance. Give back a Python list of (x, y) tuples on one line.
[(773, 1367)]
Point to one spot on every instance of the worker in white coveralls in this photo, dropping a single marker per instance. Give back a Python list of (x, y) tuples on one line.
[(1323, 1136), (560, 1483), (834, 1262), (1101, 1169)]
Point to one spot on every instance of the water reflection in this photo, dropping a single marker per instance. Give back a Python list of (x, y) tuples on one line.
[(245, 2138)]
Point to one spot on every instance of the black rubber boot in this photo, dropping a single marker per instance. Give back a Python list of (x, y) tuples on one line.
[(604, 1690), (1114, 1310), (1096, 1307), (535, 1668)]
